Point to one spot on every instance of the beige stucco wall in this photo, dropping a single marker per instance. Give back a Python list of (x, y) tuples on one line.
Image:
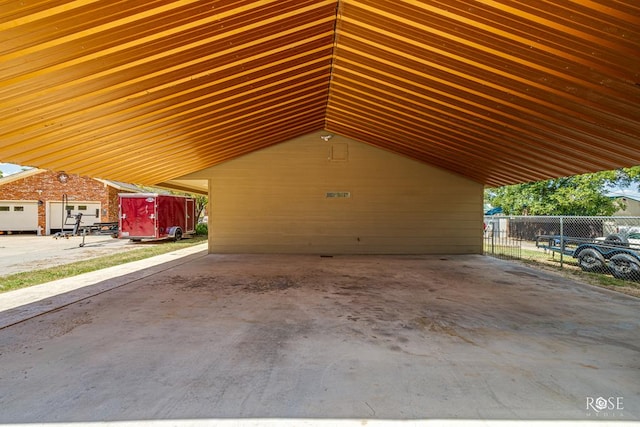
[(275, 201), (632, 207)]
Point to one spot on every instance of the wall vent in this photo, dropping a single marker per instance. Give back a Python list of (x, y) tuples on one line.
[(339, 152)]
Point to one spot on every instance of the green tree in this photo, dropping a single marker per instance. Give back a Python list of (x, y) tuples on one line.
[(573, 195), (201, 204)]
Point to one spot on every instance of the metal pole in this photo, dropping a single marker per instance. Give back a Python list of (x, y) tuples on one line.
[(561, 242)]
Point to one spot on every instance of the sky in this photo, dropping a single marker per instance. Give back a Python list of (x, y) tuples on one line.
[(632, 191), (8, 169)]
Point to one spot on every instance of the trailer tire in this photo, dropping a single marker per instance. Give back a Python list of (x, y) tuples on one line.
[(625, 267), (591, 260), (178, 234), (616, 240)]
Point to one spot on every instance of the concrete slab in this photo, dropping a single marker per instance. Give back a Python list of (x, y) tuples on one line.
[(27, 303), (24, 252), (303, 340)]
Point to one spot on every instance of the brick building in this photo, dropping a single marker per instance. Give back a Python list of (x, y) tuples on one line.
[(40, 201)]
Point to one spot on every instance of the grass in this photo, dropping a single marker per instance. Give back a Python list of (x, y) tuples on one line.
[(569, 268), (146, 250)]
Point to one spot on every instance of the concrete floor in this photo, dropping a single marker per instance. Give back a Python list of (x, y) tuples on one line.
[(315, 338)]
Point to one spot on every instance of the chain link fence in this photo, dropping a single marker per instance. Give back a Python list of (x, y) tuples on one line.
[(599, 244)]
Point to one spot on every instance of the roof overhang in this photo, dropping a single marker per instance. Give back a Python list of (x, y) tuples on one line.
[(500, 91), (194, 186)]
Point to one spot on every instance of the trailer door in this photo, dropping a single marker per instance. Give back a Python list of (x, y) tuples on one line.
[(138, 217), (191, 213)]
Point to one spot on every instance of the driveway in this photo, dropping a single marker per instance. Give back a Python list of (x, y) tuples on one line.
[(22, 252), (291, 339)]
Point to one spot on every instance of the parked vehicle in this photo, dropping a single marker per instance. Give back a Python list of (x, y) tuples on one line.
[(615, 253), (155, 216)]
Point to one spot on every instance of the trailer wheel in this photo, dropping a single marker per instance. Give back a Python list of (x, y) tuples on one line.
[(590, 259), (178, 234), (625, 266), (616, 240)]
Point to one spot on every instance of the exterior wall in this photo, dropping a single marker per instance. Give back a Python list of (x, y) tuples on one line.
[(45, 187), (275, 201), (113, 201), (632, 207)]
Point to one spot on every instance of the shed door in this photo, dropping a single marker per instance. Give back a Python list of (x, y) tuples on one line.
[(138, 216)]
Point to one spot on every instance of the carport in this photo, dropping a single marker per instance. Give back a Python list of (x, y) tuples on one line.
[(320, 129), (308, 340), (191, 94)]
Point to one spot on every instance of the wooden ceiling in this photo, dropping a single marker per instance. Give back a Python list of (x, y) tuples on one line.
[(501, 91)]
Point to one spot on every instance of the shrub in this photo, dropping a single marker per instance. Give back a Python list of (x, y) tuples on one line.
[(202, 229)]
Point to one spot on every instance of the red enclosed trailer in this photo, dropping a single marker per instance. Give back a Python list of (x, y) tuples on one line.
[(155, 216)]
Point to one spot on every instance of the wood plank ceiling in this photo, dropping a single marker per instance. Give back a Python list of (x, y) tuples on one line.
[(501, 91)]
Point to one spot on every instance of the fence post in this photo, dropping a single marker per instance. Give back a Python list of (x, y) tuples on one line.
[(561, 242), (493, 236)]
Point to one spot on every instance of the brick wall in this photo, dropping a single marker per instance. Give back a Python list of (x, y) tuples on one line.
[(46, 187)]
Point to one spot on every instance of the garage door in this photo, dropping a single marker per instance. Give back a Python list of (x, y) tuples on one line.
[(57, 217), (18, 215)]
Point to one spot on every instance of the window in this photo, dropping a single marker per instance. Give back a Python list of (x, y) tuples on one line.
[(18, 208), (82, 208), (4, 209)]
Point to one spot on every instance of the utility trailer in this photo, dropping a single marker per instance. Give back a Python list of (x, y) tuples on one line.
[(152, 216), (614, 253)]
